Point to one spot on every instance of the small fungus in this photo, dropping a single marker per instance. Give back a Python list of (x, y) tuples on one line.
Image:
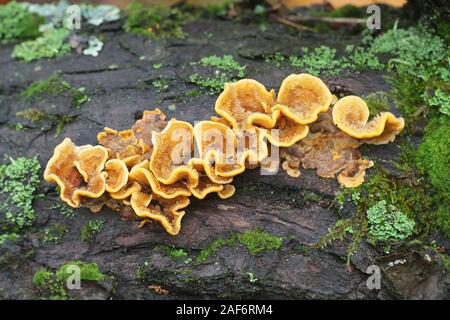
[(173, 148), (351, 115), (117, 175), (246, 103), (302, 97), (77, 171)]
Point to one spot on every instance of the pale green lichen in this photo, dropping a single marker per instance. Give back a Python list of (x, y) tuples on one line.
[(386, 223), (19, 182), (51, 44)]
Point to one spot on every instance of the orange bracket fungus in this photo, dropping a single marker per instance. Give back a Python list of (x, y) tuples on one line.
[(351, 115), (149, 172)]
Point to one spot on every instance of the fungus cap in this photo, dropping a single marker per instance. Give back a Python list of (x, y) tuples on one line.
[(165, 211), (246, 103), (151, 121), (121, 145), (77, 171), (286, 133), (302, 97), (141, 174), (351, 115), (173, 149), (117, 175), (354, 176), (227, 192)]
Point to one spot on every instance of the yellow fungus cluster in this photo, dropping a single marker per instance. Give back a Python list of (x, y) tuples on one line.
[(151, 170)]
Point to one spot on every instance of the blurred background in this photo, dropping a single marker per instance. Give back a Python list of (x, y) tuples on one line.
[(288, 3)]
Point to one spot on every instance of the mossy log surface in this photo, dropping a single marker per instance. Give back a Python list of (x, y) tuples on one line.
[(119, 84)]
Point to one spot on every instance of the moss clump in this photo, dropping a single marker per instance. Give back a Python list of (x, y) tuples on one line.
[(433, 156), (257, 241), (161, 84), (54, 233), (53, 86), (223, 69), (31, 114), (324, 61), (276, 59), (8, 237), (419, 69), (156, 21), (50, 45), (89, 230), (19, 182), (36, 115), (49, 285), (433, 159), (17, 23), (88, 271), (174, 252), (214, 246), (52, 285), (377, 102), (65, 210)]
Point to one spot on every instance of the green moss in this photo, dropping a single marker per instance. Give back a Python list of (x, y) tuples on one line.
[(174, 252), (65, 210), (222, 69), (377, 102), (258, 241), (50, 45), (53, 86), (52, 284), (19, 182), (156, 21), (161, 84), (324, 61), (214, 246), (36, 115), (17, 23), (88, 271), (276, 59), (54, 233), (31, 114), (8, 237), (49, 285), (433, 156), (89, 230), (419, 69), (445, 261)]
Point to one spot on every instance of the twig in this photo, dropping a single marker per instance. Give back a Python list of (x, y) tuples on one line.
[(298, 18), (291, 24)]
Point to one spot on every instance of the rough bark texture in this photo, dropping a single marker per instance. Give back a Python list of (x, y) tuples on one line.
[(278, 204)]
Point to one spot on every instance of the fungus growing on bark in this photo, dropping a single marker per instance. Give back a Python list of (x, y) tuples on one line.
[(217, 143), (328, 150), (77, 171), (227, 191), (302, 97), (151, 121), (246, 103), (173, 149), (117, 175), (165, 211), (141, 174), (149, 171), (121, 145), (351, 115)]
